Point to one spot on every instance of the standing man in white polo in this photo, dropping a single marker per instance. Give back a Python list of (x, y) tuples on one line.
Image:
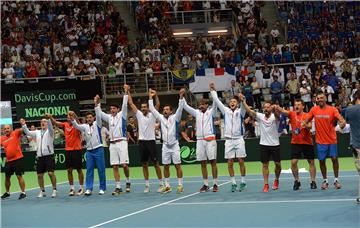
[(45, 152), (269, 140), (118, 139), (147, 145)]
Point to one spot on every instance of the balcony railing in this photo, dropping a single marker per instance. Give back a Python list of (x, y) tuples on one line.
[(200, 16), (140, 82)]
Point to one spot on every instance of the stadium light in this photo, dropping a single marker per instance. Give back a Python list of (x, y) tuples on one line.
[(182, 33), (218, 31)]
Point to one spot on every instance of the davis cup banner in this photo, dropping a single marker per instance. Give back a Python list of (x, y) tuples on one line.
[(32, 105)]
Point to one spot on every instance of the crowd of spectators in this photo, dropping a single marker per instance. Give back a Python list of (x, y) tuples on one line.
[(44, 39), (70, 38), (59, 38), (323, 29)]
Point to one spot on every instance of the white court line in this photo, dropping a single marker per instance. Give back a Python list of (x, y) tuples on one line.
[(201, 181), (264, 202), (187, 181), (149, 208)]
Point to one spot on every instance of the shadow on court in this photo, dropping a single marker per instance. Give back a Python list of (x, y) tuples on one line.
[(251, 208)]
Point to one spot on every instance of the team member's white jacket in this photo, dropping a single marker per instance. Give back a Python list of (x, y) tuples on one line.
[(233, 120), (169, 126), (44, 139), (91, 133), (204, 121), (117, 124)]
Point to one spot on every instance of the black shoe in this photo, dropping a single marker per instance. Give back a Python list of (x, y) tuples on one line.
[(313, 185), (204, 188), (215, 188), (22, 196), (128, 189), (358, 200), (297, 185), (116, 192), (5, 195)]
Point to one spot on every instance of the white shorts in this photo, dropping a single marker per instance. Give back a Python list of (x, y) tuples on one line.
[(205, 150), (171, 153), (235, 148), (119, 153), (266, 83)]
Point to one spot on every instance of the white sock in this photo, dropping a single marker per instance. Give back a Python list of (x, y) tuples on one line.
[(215, 181), (167, 184), (161, 182), (243, 179), (147, 183), (180, 181), (81, 186), (206, 182), (72, 187), (326, 180), (232, 179), (336, 179), (117, 183), (127, 180)]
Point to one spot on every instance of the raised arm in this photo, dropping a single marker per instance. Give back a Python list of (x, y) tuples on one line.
[(25, 129), (157, 102), (189, 109), (55, 122), (282, 110), (100, 115), (124, 107), (98, 111), (247, 108), (80, 127), (152, 94), (50, 126), (131, 103), (216, 100), (180, 106), (277, 113)]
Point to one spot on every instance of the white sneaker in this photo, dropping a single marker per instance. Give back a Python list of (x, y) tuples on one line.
[(41, 194), (147, 189), (101, 192), (87, 192), (54, 194), (161, 188), (80, 192)]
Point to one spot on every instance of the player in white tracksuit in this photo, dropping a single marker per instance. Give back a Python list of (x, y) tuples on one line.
[(94, 150), (118, 139), (234, 131), (169, 124), (206, 142)]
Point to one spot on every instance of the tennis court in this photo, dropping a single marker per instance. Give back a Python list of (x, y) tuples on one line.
[(282, 208)]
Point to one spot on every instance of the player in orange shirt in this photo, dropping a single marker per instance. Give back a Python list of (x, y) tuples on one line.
[(73, 154), (301, 143), (325, 136), (14, 159)]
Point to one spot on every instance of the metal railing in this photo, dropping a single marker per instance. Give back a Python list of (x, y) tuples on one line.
[(200, 16), (140, 82)]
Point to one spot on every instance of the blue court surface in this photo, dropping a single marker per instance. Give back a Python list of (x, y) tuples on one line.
[(251, 208)]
